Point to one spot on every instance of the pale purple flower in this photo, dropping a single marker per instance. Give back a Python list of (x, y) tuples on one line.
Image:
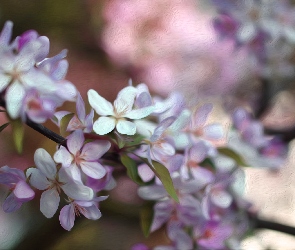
[(192, 168), (214, 235), (81, 120), (45, 177), (88, 208), (199, 128), (19, 72), (180, 239), (112, 116), (157, 145), (21, 192), (77, 155)]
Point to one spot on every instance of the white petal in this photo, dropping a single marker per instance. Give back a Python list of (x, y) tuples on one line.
[(126, 127), (37, 179), (202, 114), (213, 131), (77, 191), (4, 80), (93, 169), (67, 217), (140, 113), (75, 141), (45, 163), (99, 104), (63, 156), (91, 212), (221, 198), (14, 99), (104, 125), (49, 202)]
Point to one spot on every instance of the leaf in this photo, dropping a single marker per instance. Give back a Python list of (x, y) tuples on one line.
[(234, 155), (146, 218), (4, 126), (163, 174), (132, 170), (18, 135), (64, 122)]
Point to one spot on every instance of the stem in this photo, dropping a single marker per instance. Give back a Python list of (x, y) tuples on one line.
[(47, 132), (265, 224)]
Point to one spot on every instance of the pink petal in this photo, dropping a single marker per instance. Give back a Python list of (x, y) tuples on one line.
[(75, 141), (23, 191)]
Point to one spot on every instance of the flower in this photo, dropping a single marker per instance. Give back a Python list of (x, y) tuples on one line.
[(83, 156), (22, 70), (88, 208), (45, 177), (15, 179), (115, 115)]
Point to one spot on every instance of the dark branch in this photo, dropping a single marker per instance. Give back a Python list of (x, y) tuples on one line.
[(264, 224)]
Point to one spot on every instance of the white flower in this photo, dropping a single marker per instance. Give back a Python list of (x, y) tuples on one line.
[(115, 115)]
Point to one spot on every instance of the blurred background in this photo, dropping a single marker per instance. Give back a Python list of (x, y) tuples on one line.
[(169, 45)]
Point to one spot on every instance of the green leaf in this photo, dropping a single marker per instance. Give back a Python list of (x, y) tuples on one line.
[(4, 126), (146, 218), (234, 155), (64, 122), (163, 174), (18, 135), (131, 166)]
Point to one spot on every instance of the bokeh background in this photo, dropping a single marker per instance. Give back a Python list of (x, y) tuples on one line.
[(169, 45)]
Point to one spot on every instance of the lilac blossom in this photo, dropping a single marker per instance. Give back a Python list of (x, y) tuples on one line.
[(88, 208), (112, 116), (77, 155), (21, 192), (46, 177)]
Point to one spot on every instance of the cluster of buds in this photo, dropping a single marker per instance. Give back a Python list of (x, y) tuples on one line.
[(170, 150), (264, 28)]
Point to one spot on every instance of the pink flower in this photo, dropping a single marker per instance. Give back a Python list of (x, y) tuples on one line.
[(82, 156)]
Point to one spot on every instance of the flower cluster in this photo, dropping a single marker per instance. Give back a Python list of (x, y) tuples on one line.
[(32, 85), (265, 28), (182, 162)]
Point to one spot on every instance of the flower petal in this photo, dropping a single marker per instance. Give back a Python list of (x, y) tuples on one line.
[(75, 141), (45, 163), (14, 98), (99, 104), (67, 217), (93, 169), (63, 156), (126, 127), (91, 212), (104, 125), (37, 179), (80, 107), (49, 202), (94, 150), (140, 113), (11, 204), (23, 191)]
